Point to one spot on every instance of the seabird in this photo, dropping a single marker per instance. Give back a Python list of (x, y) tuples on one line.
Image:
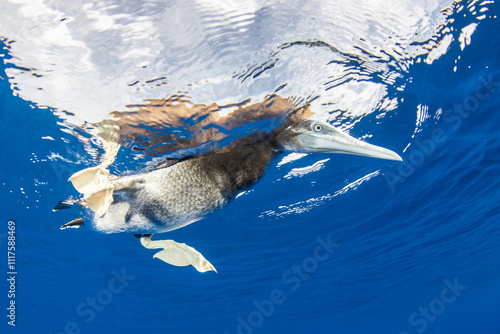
[(188, 189)]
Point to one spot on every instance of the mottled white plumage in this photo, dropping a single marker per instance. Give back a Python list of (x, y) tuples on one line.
[(164, 199)]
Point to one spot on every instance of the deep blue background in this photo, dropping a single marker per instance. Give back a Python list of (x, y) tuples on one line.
[(397, 245)]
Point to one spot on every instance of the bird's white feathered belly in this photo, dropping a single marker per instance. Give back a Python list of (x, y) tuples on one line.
[(163, 200)]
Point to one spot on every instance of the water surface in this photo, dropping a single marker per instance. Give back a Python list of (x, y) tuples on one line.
[(420, 78)]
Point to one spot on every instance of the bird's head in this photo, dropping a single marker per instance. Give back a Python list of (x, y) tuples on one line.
[(311, 136)]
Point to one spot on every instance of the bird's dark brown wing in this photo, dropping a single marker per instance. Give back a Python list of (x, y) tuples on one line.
[(167, 125)]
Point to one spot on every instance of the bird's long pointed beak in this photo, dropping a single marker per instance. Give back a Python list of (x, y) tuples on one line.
[(331, 140)]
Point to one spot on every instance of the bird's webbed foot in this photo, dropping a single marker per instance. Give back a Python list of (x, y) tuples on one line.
[(177, 254)]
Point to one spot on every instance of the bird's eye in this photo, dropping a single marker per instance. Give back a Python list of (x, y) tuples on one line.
[(318, 127)]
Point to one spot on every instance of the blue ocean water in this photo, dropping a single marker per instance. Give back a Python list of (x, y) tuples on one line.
[(359, 246)]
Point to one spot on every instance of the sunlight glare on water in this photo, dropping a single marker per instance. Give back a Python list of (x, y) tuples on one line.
[(88, 60)]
